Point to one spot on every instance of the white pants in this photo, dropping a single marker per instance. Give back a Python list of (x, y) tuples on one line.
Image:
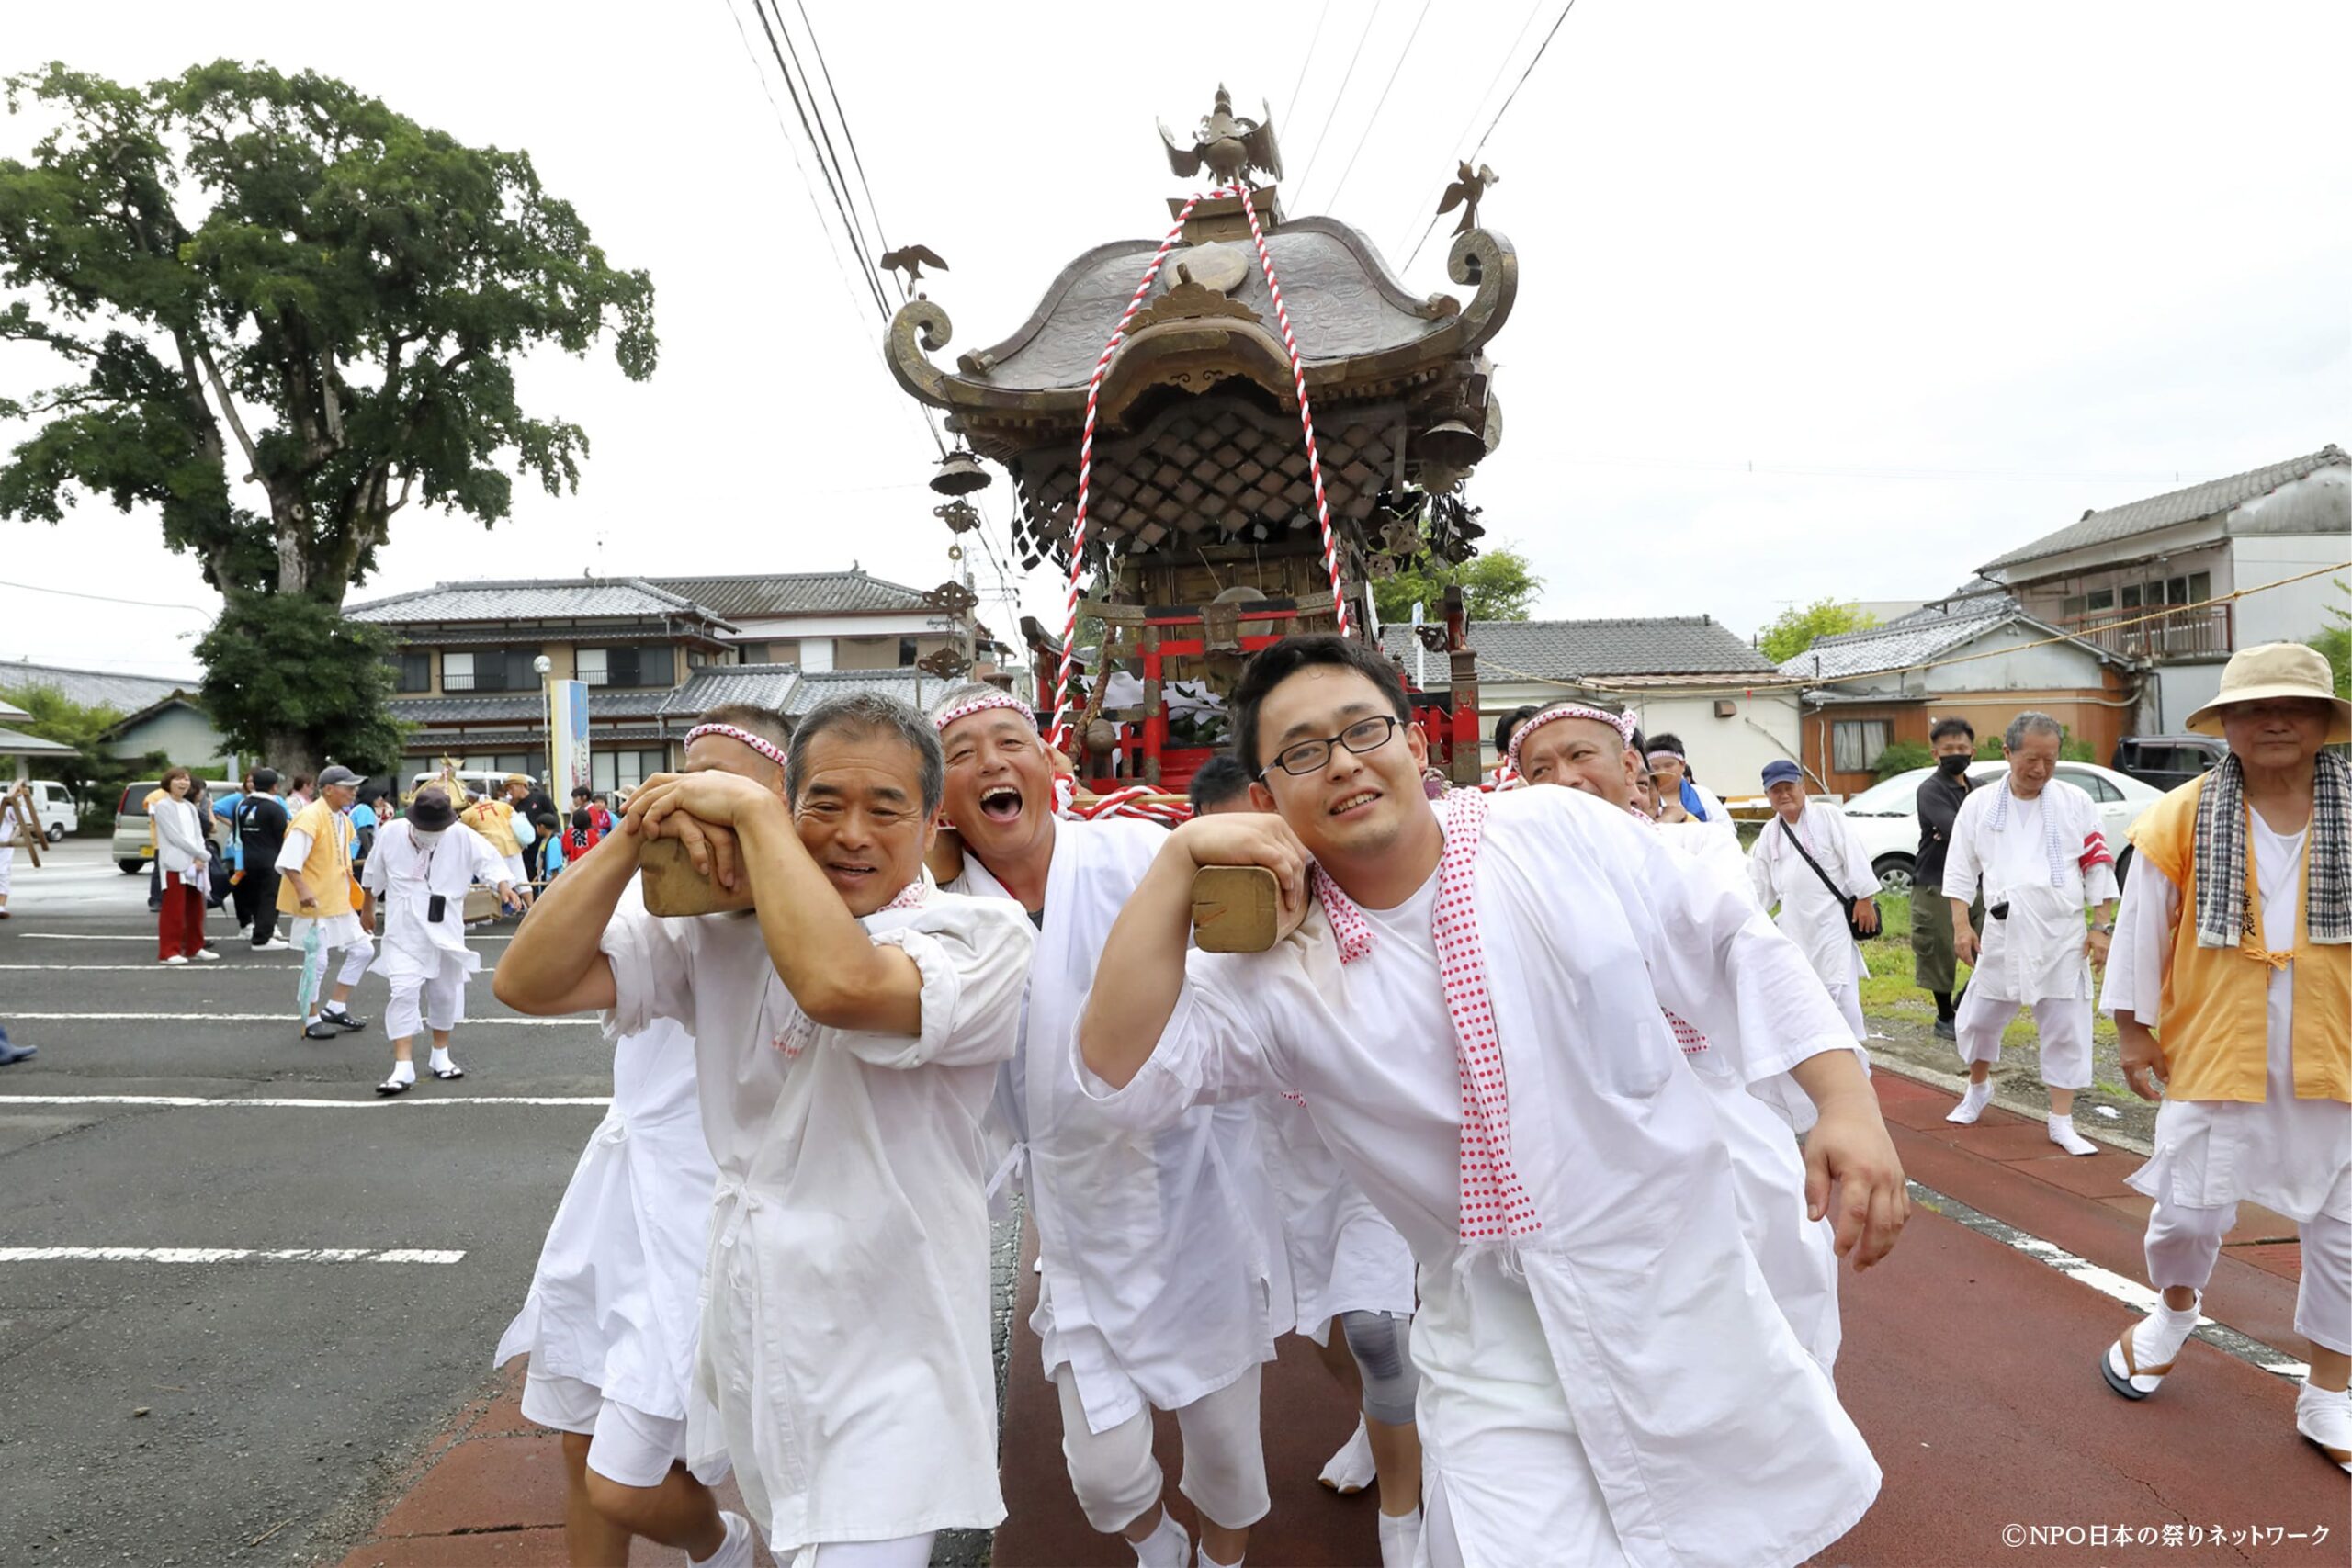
[(444, 998), (356, 959), (8, 866), (2063, 1023), (1848, 995), (626, 1444), (2183, 1245), (1523, 1486), (900, 1552), (1117, 1481)]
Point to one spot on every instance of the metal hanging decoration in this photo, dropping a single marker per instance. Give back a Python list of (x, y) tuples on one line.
[(1059, 731), (960, 474)]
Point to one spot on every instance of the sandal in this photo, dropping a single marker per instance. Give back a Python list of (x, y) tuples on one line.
[(392, 1086), (451, 1071), (2123, 1374)]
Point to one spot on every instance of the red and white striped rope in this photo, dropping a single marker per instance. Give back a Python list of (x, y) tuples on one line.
[(1140, 800), (1305, 413), (1059, 734)]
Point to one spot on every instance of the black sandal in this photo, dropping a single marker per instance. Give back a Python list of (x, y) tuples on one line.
[(393, 1086)]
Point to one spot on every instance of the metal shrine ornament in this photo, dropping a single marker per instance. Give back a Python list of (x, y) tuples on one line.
[(1059, 733), (960, 474)]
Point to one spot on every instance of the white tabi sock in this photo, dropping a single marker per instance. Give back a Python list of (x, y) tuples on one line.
[(1205, 1561), (441, 1062), (402, 1072), (735, 1552), (2063, 1133), (1167, 1547), (2158, 1337), (1350, 1469), (1972, 1103), (1400, 1538), (335, 1010)]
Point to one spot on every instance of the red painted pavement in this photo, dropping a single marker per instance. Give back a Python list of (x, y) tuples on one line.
[(1971, 1368)]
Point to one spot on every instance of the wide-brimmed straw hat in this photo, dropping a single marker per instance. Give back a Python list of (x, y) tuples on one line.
[(2276, 669)]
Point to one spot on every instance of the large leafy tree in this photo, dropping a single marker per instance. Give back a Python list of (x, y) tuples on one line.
[(1498, 584), (287, 312), (1793, 631)]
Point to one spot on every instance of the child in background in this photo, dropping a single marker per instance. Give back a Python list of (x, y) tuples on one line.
[(584, 835)]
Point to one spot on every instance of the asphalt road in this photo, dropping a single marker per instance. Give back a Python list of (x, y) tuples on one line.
[(163, 1411)]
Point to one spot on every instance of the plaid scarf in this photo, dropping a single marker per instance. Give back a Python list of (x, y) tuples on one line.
[(2225, 910)]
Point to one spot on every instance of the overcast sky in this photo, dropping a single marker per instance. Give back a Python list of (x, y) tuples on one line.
[(1815, 299)]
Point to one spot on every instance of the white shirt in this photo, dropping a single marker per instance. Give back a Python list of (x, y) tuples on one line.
[(2291, 1154), (1154, 1246), (1811, 917), (845, 1341), (614, 1301), (1625, 1323), (404, 876), (1339, 1253), (2037, 951)]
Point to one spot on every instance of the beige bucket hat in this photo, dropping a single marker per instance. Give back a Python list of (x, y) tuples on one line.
[(2275, 670)]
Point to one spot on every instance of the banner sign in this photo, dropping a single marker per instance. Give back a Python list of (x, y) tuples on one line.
[(566, 739)]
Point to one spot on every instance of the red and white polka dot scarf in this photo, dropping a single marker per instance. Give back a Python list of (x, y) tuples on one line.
[(1495, 1205)]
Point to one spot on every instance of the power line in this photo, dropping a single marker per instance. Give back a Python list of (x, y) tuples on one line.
[(1324, 134), (1378, 106), (867, 250), (1471, 118), (1290, 104), (848, 136), (856, 239), (107, 598), (1508, 101)]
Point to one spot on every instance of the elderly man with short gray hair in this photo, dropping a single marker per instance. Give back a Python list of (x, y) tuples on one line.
[(2034, 848)]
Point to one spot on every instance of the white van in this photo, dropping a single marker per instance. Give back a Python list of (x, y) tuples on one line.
[(53, 806)]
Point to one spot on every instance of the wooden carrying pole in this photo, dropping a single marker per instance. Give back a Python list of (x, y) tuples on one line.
[(28, 831)]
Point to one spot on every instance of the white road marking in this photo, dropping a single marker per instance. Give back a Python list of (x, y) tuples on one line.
[(226, 1254), (92, 936), (286, 1018), (200, 1102), (2113, 1286)]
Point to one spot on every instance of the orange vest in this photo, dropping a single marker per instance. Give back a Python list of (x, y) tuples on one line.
[(2214, 1024)]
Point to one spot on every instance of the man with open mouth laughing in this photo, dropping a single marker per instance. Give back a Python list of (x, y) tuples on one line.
[(847, 1032), (1154, 1254), (1473, 1012)]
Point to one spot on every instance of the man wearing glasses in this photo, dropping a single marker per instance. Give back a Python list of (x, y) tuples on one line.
[(1471, 1012)]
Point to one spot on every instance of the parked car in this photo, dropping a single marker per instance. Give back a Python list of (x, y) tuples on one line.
[(2167, 762), (1886, 815), (134, 830), (474, 781), (54, 807)]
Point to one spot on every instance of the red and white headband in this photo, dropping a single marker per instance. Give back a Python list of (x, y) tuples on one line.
[(1622, 723), (760, 743), (940, 721)]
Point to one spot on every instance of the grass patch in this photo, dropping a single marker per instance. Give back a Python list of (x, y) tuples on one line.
[(1888, 990)]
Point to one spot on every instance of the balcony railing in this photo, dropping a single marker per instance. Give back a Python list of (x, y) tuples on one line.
[(2181, 631)]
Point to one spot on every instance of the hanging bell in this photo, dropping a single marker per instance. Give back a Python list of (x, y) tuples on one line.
[(1452, 444), (958, 514), (959, 474)]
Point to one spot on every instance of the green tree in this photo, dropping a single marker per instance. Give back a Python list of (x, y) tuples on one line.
[(93, 772), (1793, 631), (1496, 585), (276, 280)]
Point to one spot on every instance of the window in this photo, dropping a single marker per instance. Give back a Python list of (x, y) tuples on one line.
[(625, 769), (2200, 587), (2071, 608), (412, 670), (816, 654), (2130, 595), (2100, 599), (2091, 784), (489, 669), (906, 654), (1855, 743), (622, 666)]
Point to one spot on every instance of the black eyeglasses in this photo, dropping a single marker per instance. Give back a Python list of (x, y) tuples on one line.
[(1365, 735)]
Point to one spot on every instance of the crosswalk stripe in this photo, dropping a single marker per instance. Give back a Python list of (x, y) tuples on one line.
[(228, 1255)]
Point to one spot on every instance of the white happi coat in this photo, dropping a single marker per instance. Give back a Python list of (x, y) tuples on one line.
[(615, 1299), (845, 1343), (1812, 919), (2290, 1155), (1797, 1254), (1153, 1246), (1338, 1253), (1642, 1338), (404, 876), (2037, 953)]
